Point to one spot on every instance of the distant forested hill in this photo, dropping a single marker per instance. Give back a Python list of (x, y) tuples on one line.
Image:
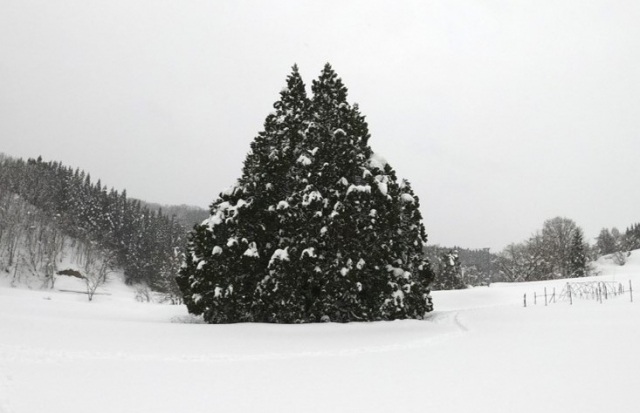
[(185, 215), (458, 267), (145, 240)]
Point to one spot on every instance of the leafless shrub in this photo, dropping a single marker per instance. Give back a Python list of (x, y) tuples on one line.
[(96, 266), (143, 293), (620, 257)]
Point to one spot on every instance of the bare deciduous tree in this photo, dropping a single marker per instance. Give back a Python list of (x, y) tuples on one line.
[(546, 255), (96, 266), (525, 261), (557, 235)]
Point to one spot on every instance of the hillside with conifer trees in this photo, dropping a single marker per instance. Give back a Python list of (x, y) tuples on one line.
[(317, 228), (144, 242)]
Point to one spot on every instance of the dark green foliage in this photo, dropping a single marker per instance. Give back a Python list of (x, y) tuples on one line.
[(606, 242), (578, 255), (631, 238), (144, 242), (613, 242), (449, 272), (316, 229), (477, 266)]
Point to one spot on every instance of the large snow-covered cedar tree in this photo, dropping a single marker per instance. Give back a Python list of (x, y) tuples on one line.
[(317, 228)]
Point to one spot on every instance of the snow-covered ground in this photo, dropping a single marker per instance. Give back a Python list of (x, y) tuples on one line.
[(480, 351)]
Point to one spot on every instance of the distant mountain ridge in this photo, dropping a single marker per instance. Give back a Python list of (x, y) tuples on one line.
[(186, 215)]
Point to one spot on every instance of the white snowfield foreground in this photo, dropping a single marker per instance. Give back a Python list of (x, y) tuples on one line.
[(480, 351)]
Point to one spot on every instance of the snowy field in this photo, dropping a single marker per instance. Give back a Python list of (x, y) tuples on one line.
[(480, 351)]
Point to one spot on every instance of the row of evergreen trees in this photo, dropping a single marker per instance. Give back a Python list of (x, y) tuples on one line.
[(457, 267), (317, 228), (611, 241), (632, 237), (145, 243), (616, 244)]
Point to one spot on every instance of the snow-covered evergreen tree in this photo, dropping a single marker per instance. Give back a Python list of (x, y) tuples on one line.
[(318, 228), (606, 242), (578, 255), (449, 275), (631, 239)]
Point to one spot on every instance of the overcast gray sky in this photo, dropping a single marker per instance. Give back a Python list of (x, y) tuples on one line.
[(501, 113)]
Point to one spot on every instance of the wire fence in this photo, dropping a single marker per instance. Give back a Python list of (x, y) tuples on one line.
[(589, 290)]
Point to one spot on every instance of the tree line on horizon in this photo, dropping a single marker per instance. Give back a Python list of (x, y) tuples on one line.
[(146, 239), (613, 242), (559, 250), (310, 181)]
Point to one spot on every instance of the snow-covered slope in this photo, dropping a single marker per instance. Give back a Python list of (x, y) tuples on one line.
[(480, 351)]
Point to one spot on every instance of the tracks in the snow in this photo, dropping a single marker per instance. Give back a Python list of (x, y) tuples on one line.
[(22, 354), (449, 317)]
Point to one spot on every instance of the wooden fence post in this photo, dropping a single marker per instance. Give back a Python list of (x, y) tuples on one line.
[(569, 291), (630, 290), (525, 299), (535, 298), (545, 296), (600, 293)]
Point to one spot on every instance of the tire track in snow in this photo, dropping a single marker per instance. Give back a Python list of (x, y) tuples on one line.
[(459, 324), (41, 355), (5, 380), (449, 317)]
